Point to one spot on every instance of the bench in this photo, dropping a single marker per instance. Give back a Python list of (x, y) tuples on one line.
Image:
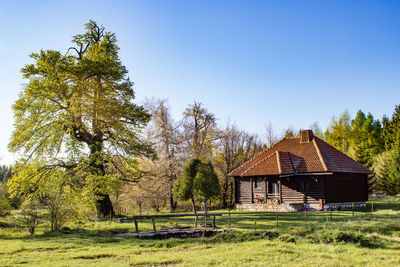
[(153, 217)]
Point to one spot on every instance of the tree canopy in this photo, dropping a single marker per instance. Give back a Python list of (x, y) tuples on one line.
[(78, 106), (206, 183), (184, 184)]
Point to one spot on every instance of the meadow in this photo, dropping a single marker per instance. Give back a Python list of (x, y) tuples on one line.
[(364, 238)]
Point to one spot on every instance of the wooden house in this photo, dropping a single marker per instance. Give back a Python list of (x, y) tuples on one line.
[(298, 173)]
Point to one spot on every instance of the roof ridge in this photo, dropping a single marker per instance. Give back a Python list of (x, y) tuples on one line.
[(343, 154), (257, 155), (291, 162), (319, 154), (278, 160), (258, 163)]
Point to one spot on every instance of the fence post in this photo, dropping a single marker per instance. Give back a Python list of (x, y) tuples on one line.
[(352, 208), (229, 218), (330, 210), (277, 220), (255, 226), (372, 206)]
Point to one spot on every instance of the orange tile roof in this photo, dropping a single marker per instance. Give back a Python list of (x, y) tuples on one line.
[(294, 155)]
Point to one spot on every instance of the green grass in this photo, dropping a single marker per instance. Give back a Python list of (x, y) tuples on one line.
[(365, 239)]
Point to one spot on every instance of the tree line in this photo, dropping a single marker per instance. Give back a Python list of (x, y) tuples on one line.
[(372, 142)]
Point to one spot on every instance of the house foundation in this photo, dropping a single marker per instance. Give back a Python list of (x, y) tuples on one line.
[(297, 207)]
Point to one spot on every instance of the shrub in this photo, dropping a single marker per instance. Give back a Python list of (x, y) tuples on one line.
[(30, 215), (5, 206), (338, 237), (287, 238)]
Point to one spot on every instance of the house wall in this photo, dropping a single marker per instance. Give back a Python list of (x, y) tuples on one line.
[(243, 190), (347, 187), (303, 189), (336, 188)]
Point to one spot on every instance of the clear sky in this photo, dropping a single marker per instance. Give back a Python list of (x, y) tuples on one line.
[(290, 63)]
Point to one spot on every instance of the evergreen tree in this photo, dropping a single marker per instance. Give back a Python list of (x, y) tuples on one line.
[(183, 187), (388, 172), (5, 173), (391, 130), (206, 183), (366, 140)]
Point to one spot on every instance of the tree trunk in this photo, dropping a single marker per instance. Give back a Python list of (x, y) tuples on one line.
[(172, 203), (97, 162), (225, 193), (194, 206), (104, 206)]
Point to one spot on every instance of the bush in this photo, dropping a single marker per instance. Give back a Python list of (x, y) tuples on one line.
[(30, 215), (5, 206), (287, 238), (338, 237)]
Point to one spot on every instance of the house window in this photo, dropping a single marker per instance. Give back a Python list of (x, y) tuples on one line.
[(272, 188), (303, 186)]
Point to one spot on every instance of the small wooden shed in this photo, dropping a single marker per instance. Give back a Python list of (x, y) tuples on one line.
[(298, 173)]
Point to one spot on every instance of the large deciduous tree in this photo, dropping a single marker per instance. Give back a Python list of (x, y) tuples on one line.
[(78, 106), (234, 147), (165, 134), (200, 130), (339, 131)]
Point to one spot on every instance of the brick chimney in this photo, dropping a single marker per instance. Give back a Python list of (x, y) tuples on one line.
[(306, 136)]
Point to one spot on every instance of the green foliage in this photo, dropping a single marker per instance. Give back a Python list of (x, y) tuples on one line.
[(5, 206), (31, 215), (343, 237), (206, 183), (366, 140), (387, 170), (391, 130), (5, 203), (66, 195), (78, 107), (183, 187), (339, 131), (5, 173)]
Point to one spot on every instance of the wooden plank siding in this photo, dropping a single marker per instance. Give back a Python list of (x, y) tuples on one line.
[(311, 190), (243, 190), (336, 188), (347, 187)]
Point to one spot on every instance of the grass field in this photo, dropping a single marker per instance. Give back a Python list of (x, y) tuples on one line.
[(365, 239)]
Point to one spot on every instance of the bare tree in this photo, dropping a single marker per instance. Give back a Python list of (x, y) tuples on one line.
[(165, 134), (199, 130), (234, 148), (289, 132), (317, 130), (270, 136)]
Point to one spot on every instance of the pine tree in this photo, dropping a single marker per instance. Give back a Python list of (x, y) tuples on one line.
[(366, 140)]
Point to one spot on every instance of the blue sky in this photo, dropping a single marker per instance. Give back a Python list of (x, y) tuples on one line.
[(290, 63)]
